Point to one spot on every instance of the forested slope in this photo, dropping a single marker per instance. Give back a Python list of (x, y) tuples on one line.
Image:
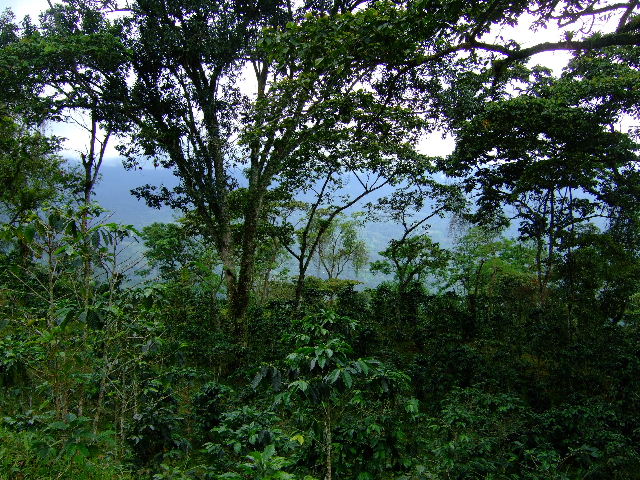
[(230, 337)]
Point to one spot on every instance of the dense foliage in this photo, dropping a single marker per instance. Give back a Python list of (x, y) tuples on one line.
[(203, 349)]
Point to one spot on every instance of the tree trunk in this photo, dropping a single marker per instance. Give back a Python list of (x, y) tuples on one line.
[(299, 286), (240, 296), (327, 444)]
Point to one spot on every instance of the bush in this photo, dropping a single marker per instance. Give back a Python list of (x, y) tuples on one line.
[(40, 455)]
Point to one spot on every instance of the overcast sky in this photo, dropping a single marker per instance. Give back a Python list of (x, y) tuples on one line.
[(24, 7)]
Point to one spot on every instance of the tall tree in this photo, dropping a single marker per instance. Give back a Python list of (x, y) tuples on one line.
[(413, 257), (338, 87), (233, 152), (70, 65)]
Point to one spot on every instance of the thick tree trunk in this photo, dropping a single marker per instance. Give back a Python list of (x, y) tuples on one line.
[(238, 306), (239, 285)]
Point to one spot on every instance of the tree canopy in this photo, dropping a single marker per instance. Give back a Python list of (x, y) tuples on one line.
[(297, 132)]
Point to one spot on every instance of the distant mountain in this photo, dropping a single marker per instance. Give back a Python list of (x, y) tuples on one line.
[(114, 193)]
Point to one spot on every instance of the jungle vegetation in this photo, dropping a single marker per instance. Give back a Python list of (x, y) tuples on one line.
[(512, 352)]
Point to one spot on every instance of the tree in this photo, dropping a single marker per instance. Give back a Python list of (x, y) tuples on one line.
[(422, 57), (313, 114), (432, 46), (483, 261), (69, 68), (172, 248), (72, 63), (414, 256), (80, 61), (411, 259), (340, 245), (30, 171), (322, 380), (517, 154), (186, 111)]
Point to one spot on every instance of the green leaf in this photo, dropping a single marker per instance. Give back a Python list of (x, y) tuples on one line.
[(346, 377), (300, 385), (412, 406), (58, 425), (29, 233), (364, 367), (269, 451), (333, 376)]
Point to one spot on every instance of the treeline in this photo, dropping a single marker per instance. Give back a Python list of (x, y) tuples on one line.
[(495, 358)]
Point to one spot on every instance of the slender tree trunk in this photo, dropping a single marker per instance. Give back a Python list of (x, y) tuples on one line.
[(299, 283), (327, 445), (101, 392), (86, 260), (92, 161), (551, 236), (539, 247)]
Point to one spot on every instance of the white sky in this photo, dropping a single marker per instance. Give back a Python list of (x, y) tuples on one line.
[(434, 145), (24, 7)]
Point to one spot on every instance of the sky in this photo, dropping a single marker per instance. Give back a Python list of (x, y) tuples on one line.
[(24, 7), (435, 144)]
